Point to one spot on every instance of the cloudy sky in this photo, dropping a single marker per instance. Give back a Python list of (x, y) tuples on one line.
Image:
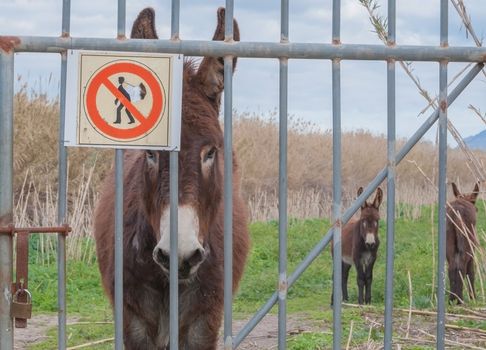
[(256, 80)]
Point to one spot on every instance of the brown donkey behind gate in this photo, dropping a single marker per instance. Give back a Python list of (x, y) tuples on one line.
[(461, 241), (360, 244), (146, 219)]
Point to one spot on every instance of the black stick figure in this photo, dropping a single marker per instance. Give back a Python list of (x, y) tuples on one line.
[(121, 106)]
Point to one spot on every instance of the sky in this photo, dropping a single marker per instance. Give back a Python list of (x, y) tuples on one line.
[(256, 80)]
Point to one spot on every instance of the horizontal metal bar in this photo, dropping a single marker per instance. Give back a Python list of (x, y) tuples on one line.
[(314, 253), (250, 49)]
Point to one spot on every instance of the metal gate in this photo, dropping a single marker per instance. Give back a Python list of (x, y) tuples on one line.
[(283, 50)]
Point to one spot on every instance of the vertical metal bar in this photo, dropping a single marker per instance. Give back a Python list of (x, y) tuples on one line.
[(228, 203), (282, 183), (391, 170), (228, 182), (174, 268), (174, 19), (122, 14), (6, 195), (62, 188), (119, 249), (119, 214), (174, 215), (336, 177), (442, 178)]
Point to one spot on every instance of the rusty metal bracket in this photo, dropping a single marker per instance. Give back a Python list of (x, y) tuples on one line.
[(22, 258), (11, 229)]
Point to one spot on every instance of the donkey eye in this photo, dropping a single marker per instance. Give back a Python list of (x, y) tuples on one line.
[(150, 155), (375, 223), (210, 155), (365, 224)]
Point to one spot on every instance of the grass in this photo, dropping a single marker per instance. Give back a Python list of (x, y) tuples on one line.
[(309, 299)]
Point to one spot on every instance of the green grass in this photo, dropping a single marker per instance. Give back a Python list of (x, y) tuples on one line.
[(308, 298)]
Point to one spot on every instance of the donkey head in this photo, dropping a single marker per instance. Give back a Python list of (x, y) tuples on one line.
[(470, 197), (200, 160), (369, 219)]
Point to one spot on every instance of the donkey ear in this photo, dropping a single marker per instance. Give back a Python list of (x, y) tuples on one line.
[(455, 190), (211, 70), (365, 204), (378, 198), (475, 193), (144, 25)]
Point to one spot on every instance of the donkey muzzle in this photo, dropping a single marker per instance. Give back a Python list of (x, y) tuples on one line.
[(188, 265), (370, 240)]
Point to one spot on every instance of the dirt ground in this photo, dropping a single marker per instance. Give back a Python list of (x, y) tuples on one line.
[(35, 332), (409, 330), (264, 336)]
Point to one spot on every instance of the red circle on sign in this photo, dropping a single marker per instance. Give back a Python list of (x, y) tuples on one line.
[(102, 78)]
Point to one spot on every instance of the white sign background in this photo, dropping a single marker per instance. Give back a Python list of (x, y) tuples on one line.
[(80, 130)]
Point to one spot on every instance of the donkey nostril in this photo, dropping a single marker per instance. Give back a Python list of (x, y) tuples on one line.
[(162, 258), (195, 258)]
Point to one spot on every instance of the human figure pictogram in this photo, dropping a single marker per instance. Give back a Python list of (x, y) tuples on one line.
[(121, 80)]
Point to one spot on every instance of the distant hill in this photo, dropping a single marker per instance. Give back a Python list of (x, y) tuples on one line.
[(477, 141)]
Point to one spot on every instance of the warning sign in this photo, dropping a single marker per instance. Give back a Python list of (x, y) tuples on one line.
[(123, 100)]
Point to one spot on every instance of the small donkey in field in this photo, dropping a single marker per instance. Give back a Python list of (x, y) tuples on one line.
[(360, 246), (461, 240)]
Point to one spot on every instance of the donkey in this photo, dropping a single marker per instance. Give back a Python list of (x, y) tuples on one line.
[(200, 214), (461, 240), (360, 244)]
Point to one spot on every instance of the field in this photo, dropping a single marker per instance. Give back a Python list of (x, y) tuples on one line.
[(308, 301), (310, 316)]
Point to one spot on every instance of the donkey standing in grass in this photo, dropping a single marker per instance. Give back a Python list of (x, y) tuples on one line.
[(360, 246), (200, 215), (461, 241)]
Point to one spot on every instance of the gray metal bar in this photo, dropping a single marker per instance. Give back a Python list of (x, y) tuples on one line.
[(174, 214), (174, 19), (391, 171), (66, 17), (282, 181), (6, 195), (119, 249), (336, 204), (228, 182), (174, 259), (228, 201), (254, 49), (62, 188), (61, 214), (317, 250), (122, 14), (228, 21), (336, 180), (119, 213), (441, 247)]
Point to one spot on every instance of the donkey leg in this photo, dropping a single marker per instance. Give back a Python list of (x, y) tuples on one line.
[(369, 280), (470, 279), (361, 279), (136, 334), (368, 289), (345, 269), (452, 284), (203, 332)]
